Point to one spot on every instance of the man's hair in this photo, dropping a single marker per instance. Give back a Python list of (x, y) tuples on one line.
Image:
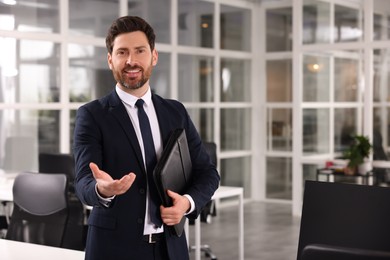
[(128, 24)]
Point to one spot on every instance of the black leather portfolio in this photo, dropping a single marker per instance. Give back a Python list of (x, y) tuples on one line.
[(173, 171)]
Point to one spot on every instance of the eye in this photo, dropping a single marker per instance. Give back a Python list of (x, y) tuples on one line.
[(140, 51), (121, 52)]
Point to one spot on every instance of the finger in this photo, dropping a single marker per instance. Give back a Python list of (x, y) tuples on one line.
[(172, 194), (128, 178), (170, 212), (172, 219), (132, 177), (95, 170), (126, 181)]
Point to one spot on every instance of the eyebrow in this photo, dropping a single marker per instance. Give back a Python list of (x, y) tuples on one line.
[(126, 48), (141, 47)]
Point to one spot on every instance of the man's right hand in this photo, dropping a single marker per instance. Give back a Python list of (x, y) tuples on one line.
[(107, 186)]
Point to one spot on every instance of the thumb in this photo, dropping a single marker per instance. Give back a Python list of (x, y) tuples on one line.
[(173, 194), (95, 170)]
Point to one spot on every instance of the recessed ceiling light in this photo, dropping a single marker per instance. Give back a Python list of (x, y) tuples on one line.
[(8, 2)]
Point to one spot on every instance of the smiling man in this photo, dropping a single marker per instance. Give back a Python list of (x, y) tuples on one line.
[(118, 140), (132, 60)]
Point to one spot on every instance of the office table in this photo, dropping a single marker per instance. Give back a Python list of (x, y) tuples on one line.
[(220, 193), (6, 183), (330, 174), (13, 250)]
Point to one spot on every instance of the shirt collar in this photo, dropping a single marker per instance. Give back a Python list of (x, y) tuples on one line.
[(131, 99)]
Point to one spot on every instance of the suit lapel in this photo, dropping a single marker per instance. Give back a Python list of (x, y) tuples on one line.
[(118, 111)]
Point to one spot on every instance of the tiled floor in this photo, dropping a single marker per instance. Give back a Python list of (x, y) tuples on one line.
[(271, 232)]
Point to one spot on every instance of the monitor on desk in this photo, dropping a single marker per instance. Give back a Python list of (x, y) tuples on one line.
[(347, 215)]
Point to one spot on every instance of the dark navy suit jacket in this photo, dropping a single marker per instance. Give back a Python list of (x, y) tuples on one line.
[(105, 135)]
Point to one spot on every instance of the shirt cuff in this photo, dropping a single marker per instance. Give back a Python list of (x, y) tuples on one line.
[(104, 201), (192, 208)]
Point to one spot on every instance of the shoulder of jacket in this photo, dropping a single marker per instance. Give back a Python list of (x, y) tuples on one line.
[(168, 102), (97, 104)]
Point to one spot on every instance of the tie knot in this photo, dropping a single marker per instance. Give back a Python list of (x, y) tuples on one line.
[(140, 103)]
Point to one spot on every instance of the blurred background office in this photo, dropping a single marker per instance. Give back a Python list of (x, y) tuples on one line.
[(273, 83)]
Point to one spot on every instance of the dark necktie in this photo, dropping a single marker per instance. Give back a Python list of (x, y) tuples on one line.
[(151, 160)]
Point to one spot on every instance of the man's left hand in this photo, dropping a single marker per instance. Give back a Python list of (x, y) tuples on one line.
[(173, 215)]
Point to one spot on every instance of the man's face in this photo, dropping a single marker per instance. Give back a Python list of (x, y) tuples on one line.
[(132, 60)]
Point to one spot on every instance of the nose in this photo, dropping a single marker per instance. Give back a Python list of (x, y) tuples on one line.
[(128, 60)]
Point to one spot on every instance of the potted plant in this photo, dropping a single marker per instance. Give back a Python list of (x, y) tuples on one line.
[(357, 155)]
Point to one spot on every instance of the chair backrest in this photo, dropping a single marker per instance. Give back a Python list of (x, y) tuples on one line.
[(40, 211), (326, 252), (345, 215), (57, 163)]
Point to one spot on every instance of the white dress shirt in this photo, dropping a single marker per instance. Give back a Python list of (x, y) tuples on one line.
[(129, 103)]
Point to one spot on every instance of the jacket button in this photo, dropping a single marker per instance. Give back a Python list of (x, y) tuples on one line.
[(142, 191), (140, 220)]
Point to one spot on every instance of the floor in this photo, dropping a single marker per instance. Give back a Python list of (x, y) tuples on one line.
[(270, 232)]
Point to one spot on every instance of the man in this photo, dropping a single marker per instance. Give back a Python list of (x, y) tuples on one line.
[(112, 159)]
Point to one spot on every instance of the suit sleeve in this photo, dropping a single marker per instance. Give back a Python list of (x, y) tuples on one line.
[(206, 178), (87, 148)]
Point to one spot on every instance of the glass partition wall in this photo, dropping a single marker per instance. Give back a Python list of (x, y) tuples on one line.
[(53, 60), (327, 77), (278, 85)]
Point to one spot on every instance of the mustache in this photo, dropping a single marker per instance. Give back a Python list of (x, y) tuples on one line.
[(133, 67)]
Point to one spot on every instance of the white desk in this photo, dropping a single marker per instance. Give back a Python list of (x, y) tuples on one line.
[(13, 250), (6, 183), (225, 192)]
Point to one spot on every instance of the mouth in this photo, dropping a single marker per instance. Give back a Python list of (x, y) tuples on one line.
[(131, 73)]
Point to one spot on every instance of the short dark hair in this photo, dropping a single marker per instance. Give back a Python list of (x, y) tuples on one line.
[(127, 24)]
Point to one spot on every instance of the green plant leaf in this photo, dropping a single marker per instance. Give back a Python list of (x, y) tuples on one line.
[(358, 150)]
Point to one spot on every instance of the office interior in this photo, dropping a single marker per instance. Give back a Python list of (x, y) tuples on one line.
[(276, 84)]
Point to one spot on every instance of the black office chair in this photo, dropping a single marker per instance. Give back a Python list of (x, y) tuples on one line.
[(40, 211), (344, 221), (58, 163), (209, 210), (53, 163), (326, 252)]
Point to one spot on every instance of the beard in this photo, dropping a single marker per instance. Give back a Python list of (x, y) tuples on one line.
[(133, 83)]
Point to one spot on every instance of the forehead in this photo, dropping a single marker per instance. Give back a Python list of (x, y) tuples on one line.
[(131, 40)]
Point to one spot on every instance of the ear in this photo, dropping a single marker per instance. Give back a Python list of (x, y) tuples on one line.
[(109, 60), (154, 57)]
